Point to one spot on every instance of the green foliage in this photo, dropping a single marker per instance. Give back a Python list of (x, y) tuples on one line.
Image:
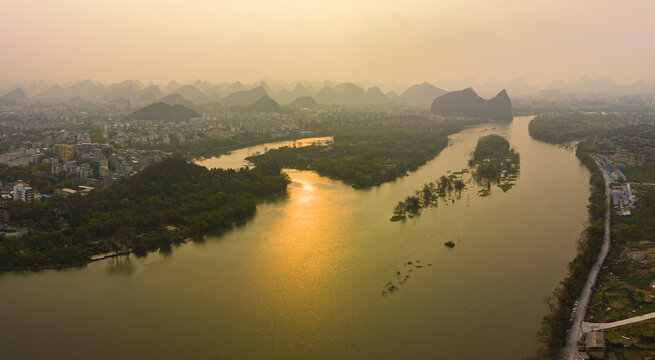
[(38, 176), (645, 174), (94, 132), (492, 147), (132, 214), (493, 157), (428, 196), (370, 156), (563, 128)]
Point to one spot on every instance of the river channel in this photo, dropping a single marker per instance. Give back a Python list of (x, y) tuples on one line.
[(303, 279)]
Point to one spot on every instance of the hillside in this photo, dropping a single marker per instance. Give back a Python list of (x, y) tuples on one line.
[(469, 104), (15, 95), (265, 105), (164, 112), (422, 94), (192, 93), (304, 102), (375, 95), (177, 99), (245, 97)]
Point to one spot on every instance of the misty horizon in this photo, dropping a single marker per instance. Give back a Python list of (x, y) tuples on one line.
[(337, 40), (517, 86)]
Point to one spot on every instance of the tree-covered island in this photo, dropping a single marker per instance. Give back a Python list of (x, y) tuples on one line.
[(495, 163), (370, 156)]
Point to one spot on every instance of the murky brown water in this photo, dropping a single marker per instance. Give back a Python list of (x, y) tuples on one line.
[(303, 279)]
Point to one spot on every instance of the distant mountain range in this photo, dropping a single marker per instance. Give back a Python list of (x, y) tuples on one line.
[(200, 94), (469, 104)]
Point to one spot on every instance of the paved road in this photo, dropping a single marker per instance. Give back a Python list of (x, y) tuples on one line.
[(586, 326), (571, 348), (637, 183)]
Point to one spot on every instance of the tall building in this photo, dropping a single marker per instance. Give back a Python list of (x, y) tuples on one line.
[(63, 151), (23, 193)]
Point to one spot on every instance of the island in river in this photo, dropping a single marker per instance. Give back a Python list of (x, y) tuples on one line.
[(495, 163), (371, 156)]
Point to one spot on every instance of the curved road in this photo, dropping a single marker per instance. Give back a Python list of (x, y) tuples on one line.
[(587, 326), (571, 348)]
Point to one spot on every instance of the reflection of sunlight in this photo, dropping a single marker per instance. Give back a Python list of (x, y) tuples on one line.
[(302, 247), (306, 192)]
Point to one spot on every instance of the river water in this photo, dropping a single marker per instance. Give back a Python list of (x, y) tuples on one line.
[(304, 278)]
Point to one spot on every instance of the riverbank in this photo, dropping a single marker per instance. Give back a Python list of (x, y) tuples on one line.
[(556, 327), (162, 205), (575, 331)]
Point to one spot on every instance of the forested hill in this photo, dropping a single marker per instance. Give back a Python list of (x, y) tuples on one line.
[(132, 215)]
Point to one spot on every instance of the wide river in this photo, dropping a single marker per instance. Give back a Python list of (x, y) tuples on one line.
[(304, 278)]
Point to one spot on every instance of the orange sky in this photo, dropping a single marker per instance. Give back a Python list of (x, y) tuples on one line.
[(163, 40)]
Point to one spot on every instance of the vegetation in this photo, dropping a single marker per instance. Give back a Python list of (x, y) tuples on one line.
[(427, 197), (369, 156), (449, 244), (38, 176), (495, 162), (94, 132), (643, 174), (631, 342), (563, 128), (624, 283), (131, 216), (555, 325)]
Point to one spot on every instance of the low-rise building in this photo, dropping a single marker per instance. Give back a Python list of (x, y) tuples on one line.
[(595, 344)]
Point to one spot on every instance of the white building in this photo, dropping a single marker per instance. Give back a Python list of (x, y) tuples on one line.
[(23, 193)]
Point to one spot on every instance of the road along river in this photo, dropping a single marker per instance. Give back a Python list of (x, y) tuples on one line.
[(303, 279)]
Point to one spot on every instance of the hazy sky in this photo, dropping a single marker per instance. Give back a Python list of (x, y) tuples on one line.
[(408, 40)]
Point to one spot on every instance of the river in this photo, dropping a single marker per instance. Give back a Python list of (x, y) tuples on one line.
[(304, 278)]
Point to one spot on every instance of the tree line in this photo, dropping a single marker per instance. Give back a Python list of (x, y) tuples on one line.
[(131, 215), (369, 156), (427, 197)]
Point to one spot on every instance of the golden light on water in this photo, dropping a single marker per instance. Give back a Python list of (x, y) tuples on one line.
[(305, 192), (304, 263)]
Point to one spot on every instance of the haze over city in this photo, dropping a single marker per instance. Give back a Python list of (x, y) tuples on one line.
[(540, 41), (305, 179)]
